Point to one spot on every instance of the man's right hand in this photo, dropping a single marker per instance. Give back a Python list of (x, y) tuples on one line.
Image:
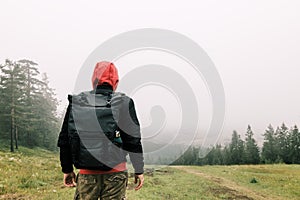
[(69, 179)]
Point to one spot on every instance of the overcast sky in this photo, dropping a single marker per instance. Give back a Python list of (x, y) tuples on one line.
[(254, 45)]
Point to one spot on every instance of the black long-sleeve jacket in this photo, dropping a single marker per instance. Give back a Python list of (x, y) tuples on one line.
[(129, 130)]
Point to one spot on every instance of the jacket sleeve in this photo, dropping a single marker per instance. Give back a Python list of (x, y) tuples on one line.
[(131, 136), (63, 144)]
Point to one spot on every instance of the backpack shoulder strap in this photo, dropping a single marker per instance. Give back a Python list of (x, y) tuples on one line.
[(88, 99)]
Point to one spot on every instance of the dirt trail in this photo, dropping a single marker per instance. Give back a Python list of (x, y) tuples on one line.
[(228, 187)]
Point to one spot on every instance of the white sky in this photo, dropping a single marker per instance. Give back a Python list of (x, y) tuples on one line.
[(254, 44)]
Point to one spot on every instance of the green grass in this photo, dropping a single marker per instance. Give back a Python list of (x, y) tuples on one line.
[(36, 174), (277, 181), (173, 184), (31, 174)]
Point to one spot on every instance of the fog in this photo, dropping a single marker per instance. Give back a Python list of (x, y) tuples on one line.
[(254, 45)]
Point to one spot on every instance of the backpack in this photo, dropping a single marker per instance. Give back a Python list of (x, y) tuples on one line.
[(93, 131)]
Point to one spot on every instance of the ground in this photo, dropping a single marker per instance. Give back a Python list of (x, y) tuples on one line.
[(36, 174)]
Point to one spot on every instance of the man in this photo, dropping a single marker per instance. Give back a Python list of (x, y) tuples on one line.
[(102, 162)]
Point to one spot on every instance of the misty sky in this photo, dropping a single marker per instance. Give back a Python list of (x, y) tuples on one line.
[(254, 45)]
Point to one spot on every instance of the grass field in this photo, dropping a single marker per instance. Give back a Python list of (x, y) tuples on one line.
[(36, 174)]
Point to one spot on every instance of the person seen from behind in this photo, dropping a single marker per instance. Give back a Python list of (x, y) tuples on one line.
[(100, 128)]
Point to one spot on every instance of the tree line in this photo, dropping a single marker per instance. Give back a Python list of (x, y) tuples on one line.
[(280, 146), (28, 106), (28, 117)]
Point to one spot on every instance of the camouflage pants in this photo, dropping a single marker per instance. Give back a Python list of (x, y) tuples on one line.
[(101, 186)]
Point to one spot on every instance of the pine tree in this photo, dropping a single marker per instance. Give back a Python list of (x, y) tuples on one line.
[(12, 83), (294, 145), (251, 148), (270, 152), (3, 127), (48, 108), (281, 136), (31, 108), (236, 149)]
